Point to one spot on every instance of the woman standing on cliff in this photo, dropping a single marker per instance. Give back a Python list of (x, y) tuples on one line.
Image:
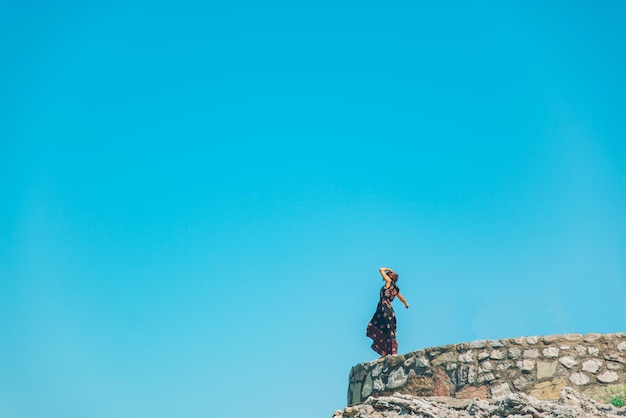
[(382, 327)]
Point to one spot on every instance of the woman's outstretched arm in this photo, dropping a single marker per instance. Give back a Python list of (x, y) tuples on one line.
[(403, 300), (383, 272)]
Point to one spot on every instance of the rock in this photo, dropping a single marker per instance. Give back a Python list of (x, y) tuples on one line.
[(534, 353), (478, 344), (500, 391), (592, 337), (608, 377), (378, 385), (546, 369), (377, 370), (467, 357), (568, 361), (496, 343), (471, 392), (613, 366), (397, 378), (485, 367), (592, 366), (515, 353), (579, 378), (548, 390), (551, 352), (532, 340), (497, 355), (581, 350), (443, 386), (367, 387), (570, 404), (445, 358), (526, 365), (573, 337)]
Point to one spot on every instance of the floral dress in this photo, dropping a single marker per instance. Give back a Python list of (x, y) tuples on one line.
[(382, 327)]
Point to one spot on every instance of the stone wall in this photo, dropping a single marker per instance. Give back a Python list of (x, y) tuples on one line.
[(537, 366)]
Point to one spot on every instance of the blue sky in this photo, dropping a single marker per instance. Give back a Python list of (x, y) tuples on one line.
[(197, 196)]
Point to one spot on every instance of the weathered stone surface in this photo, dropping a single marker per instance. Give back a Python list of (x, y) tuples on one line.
[(496, 343), (378, 385), (367, 387), (521, 383), (526, 365), (485, 367), (422, 362), (515, 353), (532, 340), (497, 355), (581, 350), (579, 378), (592, 337), (466, 375), (548, 390), (356, 393), (608, 377), (515, 405), (573, 337), (397, 378), (614, 357), (500, 391), (488, 377), (551, 352), (504, 365), (592, 366), (533, 353), (471, 392), (546, 369), (443, 386), (419, 385), (377, 370), (550, 339), (466, 357), (478, 344), (590, 363), (614, 366), (444, 358), (568, 361)]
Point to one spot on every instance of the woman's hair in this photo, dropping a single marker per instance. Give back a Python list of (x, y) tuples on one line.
[(392, 275)]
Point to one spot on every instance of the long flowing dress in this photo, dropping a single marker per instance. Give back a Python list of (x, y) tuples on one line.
[(382, 327)]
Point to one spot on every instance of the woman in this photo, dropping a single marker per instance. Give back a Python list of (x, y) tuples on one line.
[(382, 327)]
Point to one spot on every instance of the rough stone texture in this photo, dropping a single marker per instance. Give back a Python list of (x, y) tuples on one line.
[(608, 377), (550, 389), (579, 378), (551, 352), (443, 385), (568, 361), (471, 392), (592, 366), (500, 391), (540, 366), (569, 404), (397, 378), (546, 369)]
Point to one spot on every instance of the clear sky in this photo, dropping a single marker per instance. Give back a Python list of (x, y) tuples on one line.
[(197, 195)]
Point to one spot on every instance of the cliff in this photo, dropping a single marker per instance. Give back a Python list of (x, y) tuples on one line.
[(524, 370)]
